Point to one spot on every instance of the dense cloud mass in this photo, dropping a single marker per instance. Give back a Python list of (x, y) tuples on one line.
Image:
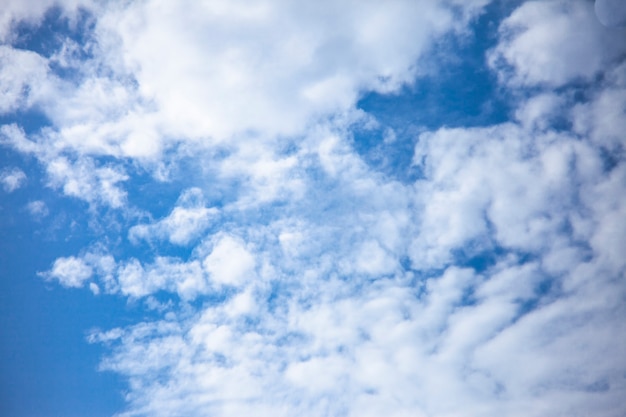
[(291, 276)]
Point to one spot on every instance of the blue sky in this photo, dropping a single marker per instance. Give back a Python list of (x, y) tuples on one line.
[(276, 208)]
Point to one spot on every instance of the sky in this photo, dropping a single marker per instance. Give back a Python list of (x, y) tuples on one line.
[(312, 209)]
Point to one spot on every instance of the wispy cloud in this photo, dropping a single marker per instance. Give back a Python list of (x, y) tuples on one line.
[(37, 209)]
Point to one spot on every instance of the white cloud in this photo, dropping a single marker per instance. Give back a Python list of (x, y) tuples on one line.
[(554, 43), (314, 61), (85, 180), (187, 279), (382, 350), (12, 179), (22, 78), (70, 272), (38, 209), (155, 80), (229, 263), (373, 260), (186, 221), (94, 288), (12, 135), (32, 12), (311, 308), (275, 69), (602, 118), (540, 111), (526, 206)]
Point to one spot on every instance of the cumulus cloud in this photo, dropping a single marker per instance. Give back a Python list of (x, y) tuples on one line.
[(316, 64), (400, 344), (22, 78), (601, 119), (79, 177), (69, 271), (229, 263), (185, 278), (489, 286), (32, 12), (316, 60), (12, 179), (186, 221), (554, 43), (83, 179), (38, 209), (382, 350)]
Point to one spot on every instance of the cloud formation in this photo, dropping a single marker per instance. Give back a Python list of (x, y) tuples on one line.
[(70, 272), (292, 278), (186, 221), (12, 179), (554, 43)]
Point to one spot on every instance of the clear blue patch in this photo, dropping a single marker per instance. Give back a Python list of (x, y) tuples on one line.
[(46, 365)]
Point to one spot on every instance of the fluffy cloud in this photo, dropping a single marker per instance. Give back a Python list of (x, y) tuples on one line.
[(383, 350), (276, 65), (315, 343), (152, 77), (12, 179), (229, 263), (22, 78), (186, 221), (32, 12), (489, 286), (38, 209), (70, 272), (83, 179), (185, 278), (554, 43), (602, 118)]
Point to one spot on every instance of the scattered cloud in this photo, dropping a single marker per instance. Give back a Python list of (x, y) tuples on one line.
[(12, 179), (229, 263), (22, 78), (291, 278), (187, 221), (32, 12), (38, 209), (554, 43), (69, 271), (85, 180), (184, 278)]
